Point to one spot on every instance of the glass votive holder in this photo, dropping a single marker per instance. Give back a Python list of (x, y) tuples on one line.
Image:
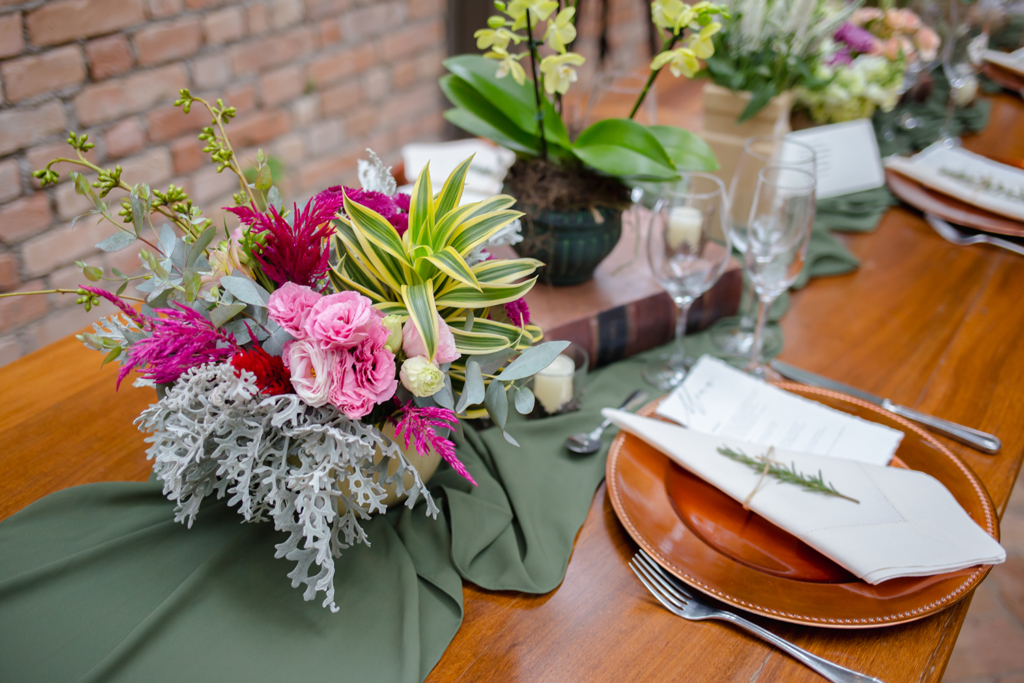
[(558, 388)]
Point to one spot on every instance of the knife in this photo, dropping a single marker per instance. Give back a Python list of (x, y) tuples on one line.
[(986, 443)]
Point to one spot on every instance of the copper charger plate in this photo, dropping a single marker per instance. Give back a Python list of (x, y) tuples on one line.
[(711, 543), (1004, 77), (950, 209)]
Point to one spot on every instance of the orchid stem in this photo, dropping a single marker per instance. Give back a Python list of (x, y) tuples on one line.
[(536, 87), (665, 47)]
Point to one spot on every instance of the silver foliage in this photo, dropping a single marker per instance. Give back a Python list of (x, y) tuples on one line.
[(276, 458), (375, 176)]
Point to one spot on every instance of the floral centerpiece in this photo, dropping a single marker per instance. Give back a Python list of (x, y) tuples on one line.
[(864, 63), (306, 361), (572, 190)]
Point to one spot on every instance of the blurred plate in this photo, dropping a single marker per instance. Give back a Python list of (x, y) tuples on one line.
[(953, 210)]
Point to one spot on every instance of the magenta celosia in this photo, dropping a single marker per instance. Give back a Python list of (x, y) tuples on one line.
[(416, 426), (297, 250), (395, 210), (132, 314), (518, 312), (181, 340)]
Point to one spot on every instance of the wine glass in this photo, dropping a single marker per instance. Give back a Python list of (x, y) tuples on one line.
[(688, 247), (758, 152), (780, 228), (964, 41), (613, 95)]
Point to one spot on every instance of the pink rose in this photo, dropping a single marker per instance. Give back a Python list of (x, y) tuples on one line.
[(345, 393), (362, 378), (310, 367), (290, 306), (864, 15), (412, 342), (375, 372), (927, 43), (341, 321)]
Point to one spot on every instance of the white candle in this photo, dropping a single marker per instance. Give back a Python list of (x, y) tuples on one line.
[(553, 385), (684, 227)]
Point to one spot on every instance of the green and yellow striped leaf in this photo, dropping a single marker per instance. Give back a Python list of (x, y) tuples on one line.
[(462, 296), (382, 265), (477, 343), (347, 244), (392, 308), (475, 231), (451, 194), (446, 224), (419, 302), (421, 210), (449, 262), (342, 280), (515, 336), (501, 271), (376, 229)]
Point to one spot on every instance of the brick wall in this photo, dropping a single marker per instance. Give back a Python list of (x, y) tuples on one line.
[(315, 82)]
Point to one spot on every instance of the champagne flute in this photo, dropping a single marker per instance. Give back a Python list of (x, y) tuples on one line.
[(758, 152), (965, 39), (688, 246), (780, 228)]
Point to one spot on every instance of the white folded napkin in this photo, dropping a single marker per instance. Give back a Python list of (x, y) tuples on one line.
[(906, 523), (966, 176), (1014, 61)]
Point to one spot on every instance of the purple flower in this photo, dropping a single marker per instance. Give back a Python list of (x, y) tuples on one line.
[(842, 57), (859, 39), (518, 312), (181, 340), (416, 426), (297, 251), (394, 210)]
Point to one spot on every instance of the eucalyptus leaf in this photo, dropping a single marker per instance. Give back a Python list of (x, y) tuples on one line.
[(124, 286), (168, 239), (468, 326), (192, 283), (508, 437), (533, 360), (473, 392), (275, 199), (220, 315), (443, 398), (92, 273), (496, 402), (246, 290), (117, 242), (274, 345), (239, 329), (524, 400), (195, 249), (140, 209)]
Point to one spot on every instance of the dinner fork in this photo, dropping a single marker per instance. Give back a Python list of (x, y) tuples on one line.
[(953, 234), (676, 599)]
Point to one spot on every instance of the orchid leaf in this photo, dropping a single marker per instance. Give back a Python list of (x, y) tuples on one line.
[(689, 152)]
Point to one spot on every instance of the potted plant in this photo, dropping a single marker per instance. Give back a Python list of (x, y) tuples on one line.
[(765, 50), (572, 191)]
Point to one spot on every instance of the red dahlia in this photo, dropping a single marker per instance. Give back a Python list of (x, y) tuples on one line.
[(272, 377)]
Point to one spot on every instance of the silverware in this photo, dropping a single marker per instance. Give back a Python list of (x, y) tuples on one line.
[(953, 234), (678, 600), (585, 443), (986, 443)]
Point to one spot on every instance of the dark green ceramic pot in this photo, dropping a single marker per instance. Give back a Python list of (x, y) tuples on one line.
[(571, 242)]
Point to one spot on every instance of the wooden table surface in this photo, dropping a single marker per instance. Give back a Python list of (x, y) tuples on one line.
[(930, 325)]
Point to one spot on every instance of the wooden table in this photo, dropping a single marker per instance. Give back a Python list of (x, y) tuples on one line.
[(928, 324)]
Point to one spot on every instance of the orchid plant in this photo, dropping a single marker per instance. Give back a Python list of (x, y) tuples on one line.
[(282, 351), (495, 97)]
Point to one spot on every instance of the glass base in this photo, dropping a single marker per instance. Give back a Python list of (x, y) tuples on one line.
[(733, 340), (666, 376), (763, 371)]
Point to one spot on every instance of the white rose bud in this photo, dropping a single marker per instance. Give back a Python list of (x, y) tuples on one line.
[(421, 376), (394, 325)]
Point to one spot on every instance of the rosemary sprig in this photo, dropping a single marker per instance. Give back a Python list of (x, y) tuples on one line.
[(984, 184), (785, 474)]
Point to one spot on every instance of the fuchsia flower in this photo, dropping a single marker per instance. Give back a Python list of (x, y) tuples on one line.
[(289, 307), (518, 312), (296, 251), (181, 340), (412, 342), (394, 210), (416, 426)]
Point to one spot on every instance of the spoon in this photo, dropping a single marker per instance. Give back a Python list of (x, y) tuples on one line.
[(586, 443), (959, 237)]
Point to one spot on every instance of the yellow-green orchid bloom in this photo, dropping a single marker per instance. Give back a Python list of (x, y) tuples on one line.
[(559, 73), (701, 43), (539, 11), (682, 62), (509, 64), (561, 31), (498, 39)]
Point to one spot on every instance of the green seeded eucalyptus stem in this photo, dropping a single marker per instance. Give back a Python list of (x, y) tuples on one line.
[(536, 86), (64, 291), (233, 161), (665, 47)]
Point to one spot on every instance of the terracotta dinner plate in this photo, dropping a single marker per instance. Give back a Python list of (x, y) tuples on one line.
[(1004, 77), (950, 209), (711, 543)]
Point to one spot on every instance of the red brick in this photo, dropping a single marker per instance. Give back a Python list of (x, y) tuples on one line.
[(11, 41), (61, 246), (290, 149), (21, 128), (168, 41), (51, 70), (203, 4), (258, 19), (286, 13), (9, 278), (124, 138), (16, 311), (377, 83), (306, 109), (211, 72), (405, 73), (161, 9), (340, 64), (411, 39), (10, 180), (67, 20), (209, 185), (326, 171), (224, 26), (259, 128), (109, 56), (361, 121), (367, 22), (165, 123), (130, 95), (259, 55), (282, 85), (424, 8), (42, 154), (318, 9), (24, 218), (329, 32), (341, 99), (242, 98), (187, 154)]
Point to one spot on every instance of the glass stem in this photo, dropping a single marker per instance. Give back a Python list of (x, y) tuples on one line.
[(947, 126), (678, 359), (764, 303), (748, 314)]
